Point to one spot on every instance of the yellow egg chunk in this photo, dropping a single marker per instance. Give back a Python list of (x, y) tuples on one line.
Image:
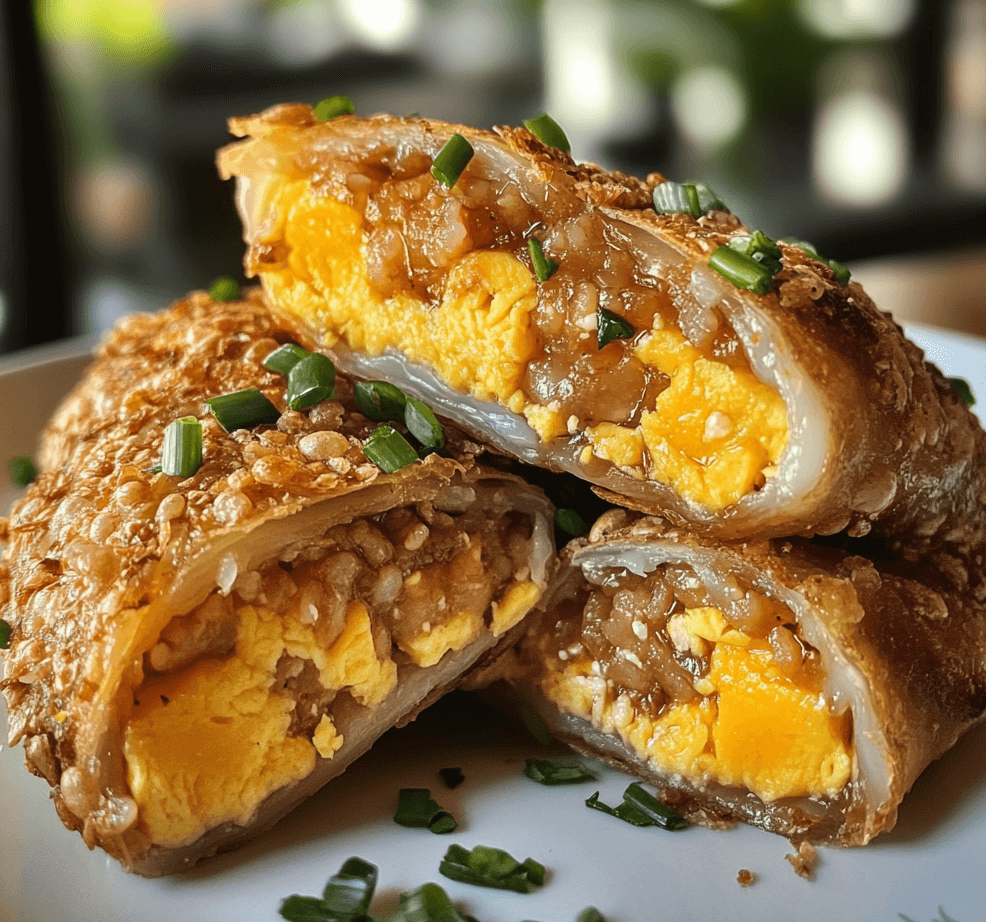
[(479, 337), (710, 435), (205, 745), (771, 736), (753, 728)]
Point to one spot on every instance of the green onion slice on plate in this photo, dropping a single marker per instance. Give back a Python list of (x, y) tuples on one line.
[(333, 106), (548, 131), (610, 326), (284, 358), (388, 449), (379, 400), (417, 809), (23, 470), (557, 771), (544, 267), (310, 381)]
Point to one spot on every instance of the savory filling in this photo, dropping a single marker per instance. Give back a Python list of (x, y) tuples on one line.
[(247, 692), (723, 693), (380, 255)]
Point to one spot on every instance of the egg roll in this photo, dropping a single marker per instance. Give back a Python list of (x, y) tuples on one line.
[(615, 352), (192, 656), (793, 686)]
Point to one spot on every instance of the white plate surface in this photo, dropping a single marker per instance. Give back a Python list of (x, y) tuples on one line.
[(932, 861)]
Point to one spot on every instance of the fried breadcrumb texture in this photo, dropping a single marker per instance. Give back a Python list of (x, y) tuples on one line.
[(745, 878), (803, 410), (804, 860), (325, 599)]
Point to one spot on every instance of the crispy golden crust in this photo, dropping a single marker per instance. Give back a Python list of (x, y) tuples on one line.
[(891, 451), (900, 643), (103, 551)]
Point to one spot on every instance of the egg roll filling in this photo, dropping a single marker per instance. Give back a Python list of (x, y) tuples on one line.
[(724, 695), (244, 694), (377, 256)]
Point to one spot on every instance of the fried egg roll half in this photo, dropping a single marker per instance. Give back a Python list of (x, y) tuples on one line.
[(794, 687), (803, 410), (190, 657)]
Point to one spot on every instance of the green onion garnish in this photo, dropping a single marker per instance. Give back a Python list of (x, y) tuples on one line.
[(181, 455), (429, 903), (491, 867), (423, 425), (590, 914), (694, 198), (663, 816), (742, 270), (760, 247), (570, 522), (548, 131), (962, 390), (23, 470), (379, 400), (224, 288), (841, 270), (557, 771), (452, 777), (388, 449), (333, 106), (310, 381), (346, 898), (243, 410), (4, 634), (610, 326), (544, 268), (625, 811), (451, 160), (284, 358), (417, 809)]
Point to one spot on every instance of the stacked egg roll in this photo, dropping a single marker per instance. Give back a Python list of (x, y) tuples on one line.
[(568, 317), (193, 654)]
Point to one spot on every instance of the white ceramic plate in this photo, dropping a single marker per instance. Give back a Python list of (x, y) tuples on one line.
[(932, 861)]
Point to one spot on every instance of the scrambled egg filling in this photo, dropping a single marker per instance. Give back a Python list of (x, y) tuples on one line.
[(206, 744), (752, 728), (712, 435)]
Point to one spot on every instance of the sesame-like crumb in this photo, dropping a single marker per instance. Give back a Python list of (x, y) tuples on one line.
[(745, 878), (804, 860)]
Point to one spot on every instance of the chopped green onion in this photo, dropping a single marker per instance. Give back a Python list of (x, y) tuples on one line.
[(663, 816), (570, 522), (429, 903), (333, 106), (379, 400), (610, 326), (760, 247), (548, 131), (693, 198), (310, 381), (4, 634), (452, 777), (181, 455), (388, 449), (590, 914), (544, 268), (560, 771), (451, 160), (625, 811), (417, 809), (243, 410), (841, 270), (224, 288), (962, 390), (23, 470), (284, 358), (346, 898), (491, 867), (349, 893), (742, 270), (423, 425)]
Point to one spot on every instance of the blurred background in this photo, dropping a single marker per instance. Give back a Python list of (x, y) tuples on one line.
[(859, 125)]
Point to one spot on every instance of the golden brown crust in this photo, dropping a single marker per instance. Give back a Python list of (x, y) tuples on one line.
[(103, 550), (912, 645), (899, 456)]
